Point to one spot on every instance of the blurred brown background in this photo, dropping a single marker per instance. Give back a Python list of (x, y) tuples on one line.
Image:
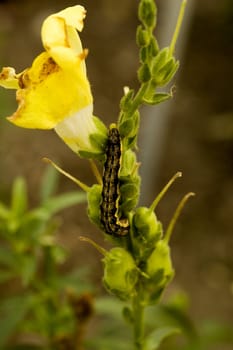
[(197, 139)]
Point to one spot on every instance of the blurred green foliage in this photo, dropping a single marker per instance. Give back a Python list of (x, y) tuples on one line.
[(173, 327), (36, 299)]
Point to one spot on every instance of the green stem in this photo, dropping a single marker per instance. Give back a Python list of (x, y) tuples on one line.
[(83, 186), (177, 213), (164, 190), (138, 316), (137, 99), (178, 26), (49, 276)]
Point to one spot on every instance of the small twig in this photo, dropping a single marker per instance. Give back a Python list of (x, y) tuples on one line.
[(164, 190), (176, 215), (83, 186), (96, 172)]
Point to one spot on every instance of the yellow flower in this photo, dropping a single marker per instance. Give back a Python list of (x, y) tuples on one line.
[(55, 92)]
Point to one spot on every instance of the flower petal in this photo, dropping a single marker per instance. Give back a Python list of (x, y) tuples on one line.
[(73, 16), (76, 129), (59, 34), (49, 94), (8, 78)]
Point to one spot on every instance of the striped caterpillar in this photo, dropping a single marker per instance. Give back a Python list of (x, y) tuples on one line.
[(111, 193)]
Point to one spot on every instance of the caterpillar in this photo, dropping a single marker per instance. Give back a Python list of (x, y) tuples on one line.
[(111, 192)]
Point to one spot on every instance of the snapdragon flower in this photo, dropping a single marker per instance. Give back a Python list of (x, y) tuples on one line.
[(54, 93)]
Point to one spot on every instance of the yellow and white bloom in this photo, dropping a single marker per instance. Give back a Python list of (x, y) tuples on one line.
[(55, 92)]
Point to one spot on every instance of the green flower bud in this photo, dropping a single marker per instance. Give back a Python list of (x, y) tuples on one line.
[(142, 36), (129, 190), (126, 100), (153, 47), (144, 73), (159, 61), (146, 225), (148, 53), (159, 264), (128, 128), (129, 204), (159, 272), (166, 73), (94, 200), (164, 66), (120, 273), (128, 163), (143, 54), (147, 13)]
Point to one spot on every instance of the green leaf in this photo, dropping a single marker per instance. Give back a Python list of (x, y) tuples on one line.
[(156, 98), (12, 311), (35, 220), (27, 269), (110, 343), (113, 334), (94, 200), (214, 332), (6, 275), (98, 142), (127, 314), (126, 127), (19, 197), (157, 336), (91, 155), (53, 205), (4, 211), (98, 139), (25, 347), (49, 183), (6, 257), (101, 127), (109, 306), (76, 280), (126, 102)]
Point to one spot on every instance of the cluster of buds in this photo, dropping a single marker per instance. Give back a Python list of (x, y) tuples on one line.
[(148, 266)]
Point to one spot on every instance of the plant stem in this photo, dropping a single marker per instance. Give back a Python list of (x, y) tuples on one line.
[(49, 273), (177, 213), (138, 99), (178, 26), (138, 316)]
